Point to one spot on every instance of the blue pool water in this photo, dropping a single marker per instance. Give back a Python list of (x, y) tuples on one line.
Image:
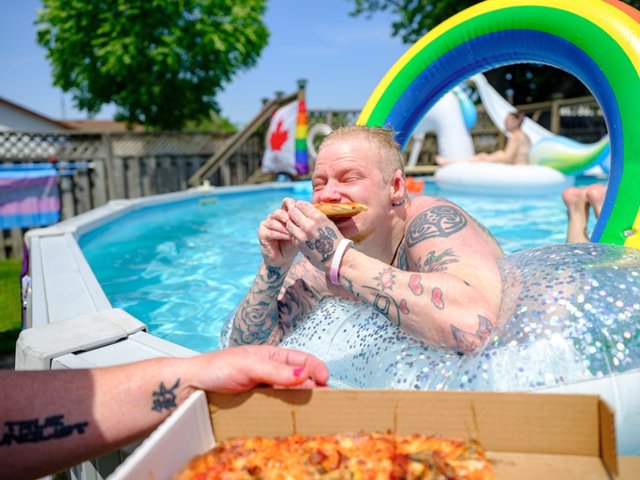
[(182, 268)]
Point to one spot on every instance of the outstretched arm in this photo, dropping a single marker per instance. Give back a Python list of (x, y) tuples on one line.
[(54, 419)]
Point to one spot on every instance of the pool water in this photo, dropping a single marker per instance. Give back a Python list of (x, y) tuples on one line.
[(182, 268)]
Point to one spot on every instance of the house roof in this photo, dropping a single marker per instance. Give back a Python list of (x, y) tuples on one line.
[(31, 113), (102, 126), (78, 125)]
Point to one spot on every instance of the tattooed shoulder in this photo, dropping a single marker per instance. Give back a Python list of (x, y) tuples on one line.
[(440, 221)]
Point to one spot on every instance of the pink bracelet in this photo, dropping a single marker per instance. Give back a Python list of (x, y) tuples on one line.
[(334, 275)]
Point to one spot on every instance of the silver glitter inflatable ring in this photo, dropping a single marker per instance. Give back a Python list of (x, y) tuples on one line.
[(569, 322)]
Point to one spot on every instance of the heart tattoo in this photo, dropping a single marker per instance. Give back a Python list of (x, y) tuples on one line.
[(436, 298), (415, 285)]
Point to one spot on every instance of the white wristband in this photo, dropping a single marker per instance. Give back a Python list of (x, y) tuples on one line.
[(334, 276)]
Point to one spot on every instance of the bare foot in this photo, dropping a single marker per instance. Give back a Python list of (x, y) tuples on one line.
[(578, 212), (595, 196)]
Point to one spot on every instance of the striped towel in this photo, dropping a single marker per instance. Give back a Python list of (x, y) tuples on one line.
[(28, 196)]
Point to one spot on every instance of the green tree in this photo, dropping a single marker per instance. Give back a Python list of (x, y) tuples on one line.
[(214, 123), (160, 62), (523, 83), (413, 18)]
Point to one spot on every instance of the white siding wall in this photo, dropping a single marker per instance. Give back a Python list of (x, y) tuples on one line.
[(12, 119)]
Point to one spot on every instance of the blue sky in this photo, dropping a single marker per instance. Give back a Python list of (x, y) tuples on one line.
[(343, 58)]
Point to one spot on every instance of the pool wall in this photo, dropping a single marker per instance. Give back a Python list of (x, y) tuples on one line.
[(61, 284)]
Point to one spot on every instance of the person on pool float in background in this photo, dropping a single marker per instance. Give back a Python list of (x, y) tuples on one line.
[(516, 152), (578, 201), (423, 262)]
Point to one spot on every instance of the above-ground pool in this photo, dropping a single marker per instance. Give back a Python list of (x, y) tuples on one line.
[(182, 268)]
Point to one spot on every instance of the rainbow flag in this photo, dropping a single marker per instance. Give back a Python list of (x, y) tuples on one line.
[(302, 128), (28, 196)]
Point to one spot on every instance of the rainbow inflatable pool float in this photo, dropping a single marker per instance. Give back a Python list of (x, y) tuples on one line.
[(596, 40)]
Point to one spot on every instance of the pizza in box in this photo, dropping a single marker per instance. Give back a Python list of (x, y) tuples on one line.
[(342, 456)]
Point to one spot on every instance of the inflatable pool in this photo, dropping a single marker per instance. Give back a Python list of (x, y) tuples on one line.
[(502, 179)]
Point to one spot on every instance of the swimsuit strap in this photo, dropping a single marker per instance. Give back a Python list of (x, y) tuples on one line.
[(395, 254)]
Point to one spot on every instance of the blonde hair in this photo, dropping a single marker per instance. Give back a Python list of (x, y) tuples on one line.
[(382, 138)]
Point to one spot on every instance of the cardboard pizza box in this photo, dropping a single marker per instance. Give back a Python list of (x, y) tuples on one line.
[(527, 436)]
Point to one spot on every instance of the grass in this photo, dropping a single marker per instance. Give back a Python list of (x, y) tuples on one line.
[(10, 304)]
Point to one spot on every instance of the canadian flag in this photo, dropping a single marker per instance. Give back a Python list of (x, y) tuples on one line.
[(280, 149)]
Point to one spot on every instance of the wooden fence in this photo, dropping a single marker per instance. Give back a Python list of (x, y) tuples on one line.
[(97, 167)]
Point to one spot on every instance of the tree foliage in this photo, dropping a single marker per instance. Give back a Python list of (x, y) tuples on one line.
[(214, 123), (160, 62), (523, 83)]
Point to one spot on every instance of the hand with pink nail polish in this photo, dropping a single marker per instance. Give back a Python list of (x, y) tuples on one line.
[(241, 368)]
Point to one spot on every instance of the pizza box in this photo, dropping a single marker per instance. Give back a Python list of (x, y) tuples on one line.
[(526, 435)]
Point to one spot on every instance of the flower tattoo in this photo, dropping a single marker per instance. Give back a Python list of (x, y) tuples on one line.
[(324, 244)]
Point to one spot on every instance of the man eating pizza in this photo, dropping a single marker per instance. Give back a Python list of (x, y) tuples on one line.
[(423, 262)]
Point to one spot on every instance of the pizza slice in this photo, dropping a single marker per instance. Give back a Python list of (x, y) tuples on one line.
[(338, 210)]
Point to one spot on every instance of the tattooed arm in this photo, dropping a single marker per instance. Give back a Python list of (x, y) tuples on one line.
[(451, 297), (275, 304), (281, 293), (256, 318), (55, 419)]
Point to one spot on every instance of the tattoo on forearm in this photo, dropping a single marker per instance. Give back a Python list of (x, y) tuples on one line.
[(274, 275), (324, 244), (34, 431), (437, 298), (386, 279), (165, 398), (468, 341), (439, 221), (256, 316), (437, 262), (389, 307), (351, 289)]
